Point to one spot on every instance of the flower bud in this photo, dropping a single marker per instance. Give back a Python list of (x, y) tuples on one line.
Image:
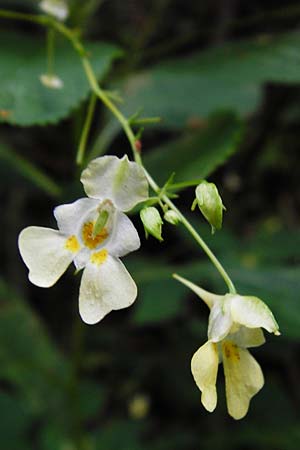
[(210, 204), (152, 222), (172, 217), (56, 8), (51, 81)]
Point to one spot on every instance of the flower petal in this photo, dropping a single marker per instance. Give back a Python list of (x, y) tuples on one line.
[(69, 217), (220, 321), (105, 287), (120, 180), (44, 252), (204, 368), (253, 313), (248, 337), (125, 238), (243, 378)]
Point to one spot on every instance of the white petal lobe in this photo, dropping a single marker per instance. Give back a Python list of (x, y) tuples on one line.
[(248, 337), (125, 238), (44, 253), (69, 216), (204, 368), (120, 180), (105, 287), (252, 313), (220, 321)]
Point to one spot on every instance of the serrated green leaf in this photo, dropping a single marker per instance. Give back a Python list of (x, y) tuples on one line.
[(228, 77), (198, 155), (24, 100)]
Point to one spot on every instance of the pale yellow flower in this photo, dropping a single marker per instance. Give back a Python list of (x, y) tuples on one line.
[(235, 324)]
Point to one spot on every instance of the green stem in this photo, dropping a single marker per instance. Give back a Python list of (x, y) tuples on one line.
[(40, 19), (195, 235), (184, 184), (125, 123), (86, 129)]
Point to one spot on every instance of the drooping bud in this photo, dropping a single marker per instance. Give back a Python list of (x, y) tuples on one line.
[(152, 222), (56, 8), (172, 217), (210, 204)]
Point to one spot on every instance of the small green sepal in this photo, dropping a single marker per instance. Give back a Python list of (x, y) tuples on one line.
[(210, 204), (152, 222)]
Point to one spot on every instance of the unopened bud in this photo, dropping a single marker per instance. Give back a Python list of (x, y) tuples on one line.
[(172, 217), (210, 204), (56, 8), (51, 81), (152, 222)]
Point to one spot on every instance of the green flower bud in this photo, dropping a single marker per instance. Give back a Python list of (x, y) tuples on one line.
[(152, 222), (210, 204), (172, 217)]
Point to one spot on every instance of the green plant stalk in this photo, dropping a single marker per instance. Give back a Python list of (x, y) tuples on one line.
[(86, 129), (102, 95)]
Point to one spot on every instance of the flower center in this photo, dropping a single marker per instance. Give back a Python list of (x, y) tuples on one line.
[(89, 239)]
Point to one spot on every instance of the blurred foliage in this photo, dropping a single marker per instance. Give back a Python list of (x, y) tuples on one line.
[(224, 77)]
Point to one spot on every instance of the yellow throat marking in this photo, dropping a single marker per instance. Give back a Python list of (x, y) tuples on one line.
[(99, 258), (89, 240), (72, 244)]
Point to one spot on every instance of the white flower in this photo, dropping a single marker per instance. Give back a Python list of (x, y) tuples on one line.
[(93, 233), (56, 8), (51, 81), (235, 324)]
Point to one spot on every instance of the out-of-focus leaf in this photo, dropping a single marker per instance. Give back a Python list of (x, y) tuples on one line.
[(24, 100), (158, 301), (92, 397), (119, 434), (28, 358), (279, 288), (228, 77), (28, 171), (15, 422), (198, 155)]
